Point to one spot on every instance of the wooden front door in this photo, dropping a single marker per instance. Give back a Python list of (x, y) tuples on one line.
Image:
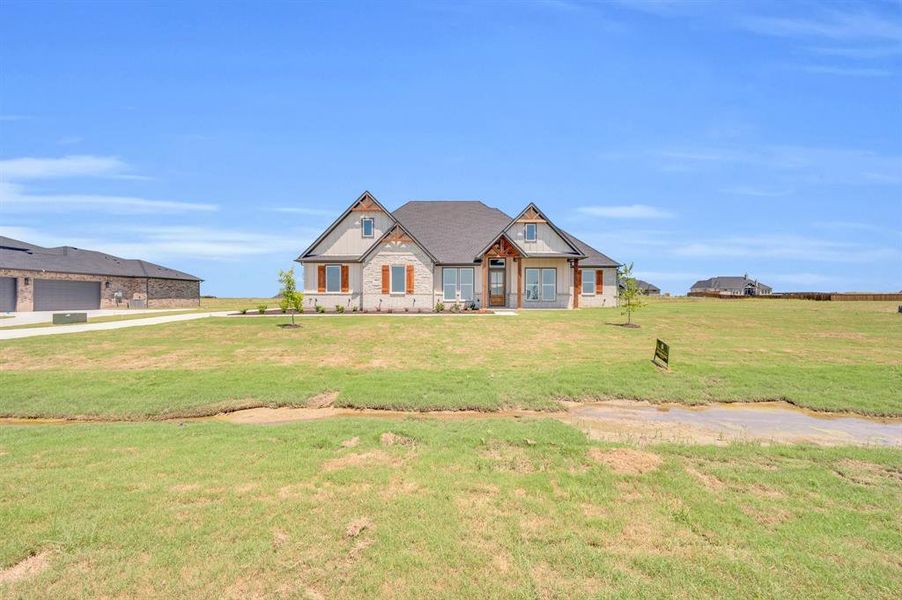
[(496, 287)]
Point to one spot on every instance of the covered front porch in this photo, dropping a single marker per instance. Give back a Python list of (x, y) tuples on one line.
[(512, 280)]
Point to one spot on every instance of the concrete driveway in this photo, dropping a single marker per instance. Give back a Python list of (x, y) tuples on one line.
[(14, 334), (46, 316)]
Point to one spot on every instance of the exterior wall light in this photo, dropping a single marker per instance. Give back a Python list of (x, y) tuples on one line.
[(28, 281)]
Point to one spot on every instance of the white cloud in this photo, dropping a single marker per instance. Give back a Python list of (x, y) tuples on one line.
[(174, 242), (845, 71), (15, 169), (14, 198), (786, 247), (756, 192), (864, 52), (808, 164), (837, 25), (653, 276), (301, 210), (802, 279), (630, 211)]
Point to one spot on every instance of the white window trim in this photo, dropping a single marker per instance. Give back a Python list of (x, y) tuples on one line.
[(338, 291), (541, 284), (526, 232), (582, 282), (363, 229), (457, 287), (391, 280)]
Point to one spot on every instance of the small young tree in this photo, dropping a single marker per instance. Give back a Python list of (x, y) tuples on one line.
[(290, 295), (630, 294)]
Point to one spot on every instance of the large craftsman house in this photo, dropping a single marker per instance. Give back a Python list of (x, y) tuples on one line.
[(454, 253)]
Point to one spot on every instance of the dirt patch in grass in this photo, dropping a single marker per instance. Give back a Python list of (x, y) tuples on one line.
[(626, 461), (393, 439), (324, 400), (351, 442), (709, 481), (363, 459), (508, 458), (357, 526), (770, 517), (27, 568), (866, 473)]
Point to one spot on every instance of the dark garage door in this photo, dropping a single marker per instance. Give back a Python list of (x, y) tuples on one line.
[(7, 294), (57, 294)]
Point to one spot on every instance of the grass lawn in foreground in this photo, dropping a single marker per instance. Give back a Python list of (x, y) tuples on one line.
[(462, 508), (844, 356)]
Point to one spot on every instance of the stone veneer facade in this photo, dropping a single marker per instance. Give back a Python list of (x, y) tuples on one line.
[(398, 253), (158, 293)]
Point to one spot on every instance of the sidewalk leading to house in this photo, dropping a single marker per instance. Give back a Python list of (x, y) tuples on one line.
[(12, 334)]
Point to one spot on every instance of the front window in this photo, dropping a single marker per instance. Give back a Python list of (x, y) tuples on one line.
[(398, 279), (541, 284), (457, 281), (449, 284), (532, 284), (333, 278), (588, 282), (549, 284), (530, 232), (367, 227), (466, 284)]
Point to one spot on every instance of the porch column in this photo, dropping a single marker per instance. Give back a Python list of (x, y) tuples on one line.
[(485, 282), (575, 291), (519, 282)]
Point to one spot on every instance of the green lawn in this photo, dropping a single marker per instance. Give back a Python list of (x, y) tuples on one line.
[(844, 356), (457, 509)]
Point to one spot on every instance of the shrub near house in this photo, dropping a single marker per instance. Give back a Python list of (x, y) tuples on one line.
[(459, 253)]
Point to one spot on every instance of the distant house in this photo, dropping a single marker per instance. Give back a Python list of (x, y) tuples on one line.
[(647, 288), (456, 253), (66, 278), (731, 286)]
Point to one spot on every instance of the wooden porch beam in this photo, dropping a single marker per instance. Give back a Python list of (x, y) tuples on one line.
[(575, 291), (485, 282), (519, 282)]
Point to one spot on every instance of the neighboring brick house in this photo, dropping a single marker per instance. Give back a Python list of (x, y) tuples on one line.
[(454, 252), (66, 278), (731, 286)]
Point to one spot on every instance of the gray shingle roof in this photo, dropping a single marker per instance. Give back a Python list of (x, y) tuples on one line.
[(728, 282), (15, 254), (454, 231), (594, 258)]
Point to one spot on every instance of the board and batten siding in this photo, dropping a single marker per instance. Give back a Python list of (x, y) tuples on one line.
[(547, 240), (564, 282), (346, 238)]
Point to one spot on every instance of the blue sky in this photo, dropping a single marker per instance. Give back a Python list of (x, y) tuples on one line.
[(695, 139)]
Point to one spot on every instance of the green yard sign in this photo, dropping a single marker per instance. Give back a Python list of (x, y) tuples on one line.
[(662, 354)]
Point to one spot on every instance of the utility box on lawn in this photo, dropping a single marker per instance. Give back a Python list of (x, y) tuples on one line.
[(69, 318)]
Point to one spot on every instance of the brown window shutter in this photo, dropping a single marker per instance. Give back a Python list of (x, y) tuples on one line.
[(578, 283), (344, 279), (321, 279), (599, 281), (409, 279), (385, 276)]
